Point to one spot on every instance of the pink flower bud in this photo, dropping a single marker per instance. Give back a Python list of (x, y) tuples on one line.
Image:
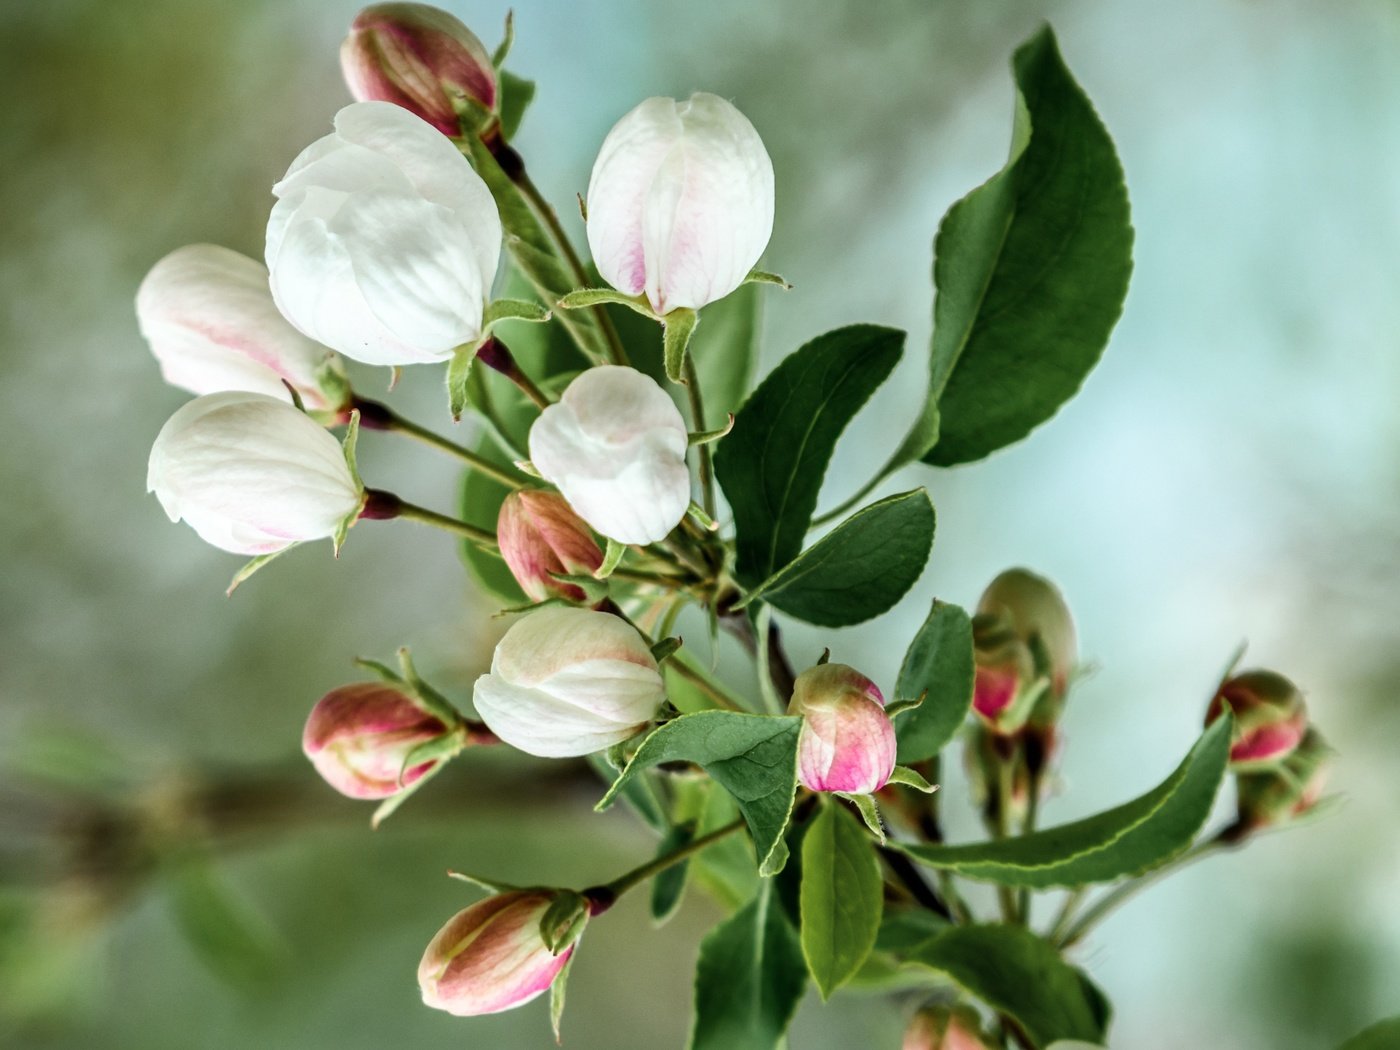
[(359, 736), (945, 1028), (1276, 796), (491, 956), (1270, 718), (847, 741), (540, 536), (1025, 639), (420, 58)]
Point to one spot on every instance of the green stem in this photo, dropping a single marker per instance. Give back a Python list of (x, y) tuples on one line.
[(550, 218), (609, 892), (1124, 892), (381, 505), (655, 579), (1066, 914), (697, 422), (1000, 829), (376, 416), (1023, 897)]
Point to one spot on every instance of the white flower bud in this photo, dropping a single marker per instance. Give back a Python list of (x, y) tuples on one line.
[(567, 681), (680, 204), (251, 474), (209, 317), (384, 242), (615, 446)]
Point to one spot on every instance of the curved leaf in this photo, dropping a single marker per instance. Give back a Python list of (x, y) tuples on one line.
[(860, 568), (939, 667), (772, 463), (1031, 268), (753, 757), (1133, 838), (1382, 1036), (1016, 972), (841, 897)]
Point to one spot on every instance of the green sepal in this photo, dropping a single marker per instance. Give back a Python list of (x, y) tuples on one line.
[(426, 697), (498, 58), (698, 513), (347, 448), (526, 467), (594, 590), (556, 1000), (253, 566), (563, 921), (435, 750), (612, 558), (489, 885), (900, 706), (664, 648), (679, 327), (706, 437), (512, 310), (912, 778), (764, 277), (869, 812), (459, 371), (516, 94), (584, 298), (390, 805)]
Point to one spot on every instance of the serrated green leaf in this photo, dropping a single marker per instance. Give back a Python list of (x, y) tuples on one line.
[(939, 667), (749, 979), (1031, 268), (772, 463), (1016, 972), (1382, 1036), (841, 899), (1128, 840), (753, 757), (516, 95), (860, 568)]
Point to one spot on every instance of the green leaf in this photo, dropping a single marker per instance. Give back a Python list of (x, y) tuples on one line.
[(459, 371), (939, 667), (772, 463), (842, 897), (912, 778), (1017, 973), (753, 757), (764, 277), (516, 95), (749, 979), (612, 558), (904, 929), (235, 941), (668, 887), (1129, 840), (584, 298), (860, 568), (557, 991), (639, 793), (679, 326), (1382, 1036), (1031, 268), (252, 566), (726, 870), (480, 505)]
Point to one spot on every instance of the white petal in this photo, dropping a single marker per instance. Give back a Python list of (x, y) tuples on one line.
[(539, 724)]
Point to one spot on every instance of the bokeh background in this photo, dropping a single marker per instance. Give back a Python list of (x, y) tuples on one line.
[(1229, 473)]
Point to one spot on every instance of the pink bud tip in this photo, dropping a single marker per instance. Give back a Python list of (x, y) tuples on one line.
[(359, 736), (847, 742), (1270, 717), (540, 537)]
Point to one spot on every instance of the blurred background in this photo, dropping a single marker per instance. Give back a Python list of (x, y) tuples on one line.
[(1230, 472)]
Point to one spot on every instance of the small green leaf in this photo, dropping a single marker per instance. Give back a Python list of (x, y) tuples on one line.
[(772, 463), (498, 58), (390, 805), (764, 277), (912, 778), (556, 1000), (253, 566), (869, 813), (1017, 973), (1382, 1036), (749, 979), (489, 885), (753, 757), (612, 558), (841, 897), (459, 371), (563, 921), (668, 887), (679, 326), (707, 437), (501, 310), (516, 95), (638, 792), (480, 505), (1031, 268), (231, 938), (585, 298), (860, 568), (939, 667), (1128, 840)]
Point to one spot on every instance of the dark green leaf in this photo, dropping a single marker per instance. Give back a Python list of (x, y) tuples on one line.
[(860, 568), (516, 95), (1017, 973), (1031, 268), (1382, 1036), (939, 667), (668, 887), (1133, 838), (726, 870), (904, 929), (482, 497), (771, 465), (749, 979), (753, 757), (842, 897), (639, 793)]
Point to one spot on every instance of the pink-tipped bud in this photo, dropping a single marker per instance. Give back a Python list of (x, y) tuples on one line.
[(847, 741), (540, 537), (420, 58), (360, 736), (945, 1028), (1026, 652), (1276, 796), (1270, 718), (491, 956)]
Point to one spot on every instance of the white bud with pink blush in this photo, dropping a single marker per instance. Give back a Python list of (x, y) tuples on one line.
[(680, 203), (568, 681), (847, 741), (359, 738), (251, 474), (615, 446), (208, 315)]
